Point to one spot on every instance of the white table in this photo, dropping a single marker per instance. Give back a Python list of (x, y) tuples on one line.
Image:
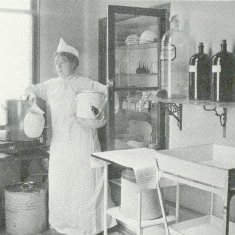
[(117, 157), (209, 167)]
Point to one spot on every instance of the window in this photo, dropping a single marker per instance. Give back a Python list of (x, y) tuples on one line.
[(18, 40)]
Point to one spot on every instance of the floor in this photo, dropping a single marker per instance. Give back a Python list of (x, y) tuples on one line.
[(113, 231)]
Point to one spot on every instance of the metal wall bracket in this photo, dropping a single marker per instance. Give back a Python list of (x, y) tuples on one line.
[(176, 111), (222, 117)]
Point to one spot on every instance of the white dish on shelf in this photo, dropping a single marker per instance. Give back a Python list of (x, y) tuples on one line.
[(132, 39), (148, 36), (136, 144), (121, 144)]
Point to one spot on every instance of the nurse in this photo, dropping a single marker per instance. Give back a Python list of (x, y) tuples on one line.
[(75, 188)]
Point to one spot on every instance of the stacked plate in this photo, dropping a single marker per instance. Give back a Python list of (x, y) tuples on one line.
[(132, 39), (147, 36)]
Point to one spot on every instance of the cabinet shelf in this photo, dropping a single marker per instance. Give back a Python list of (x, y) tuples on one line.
[(205, 103), (125, 80), (164, 182), (135, 75), (196, 102), (138, 46), (135, 88)]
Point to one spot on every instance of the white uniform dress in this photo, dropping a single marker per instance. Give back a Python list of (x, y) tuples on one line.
[(75, 188)]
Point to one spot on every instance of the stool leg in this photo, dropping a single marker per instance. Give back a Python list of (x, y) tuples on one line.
[(162, 208), (105, 197), (139, 213)]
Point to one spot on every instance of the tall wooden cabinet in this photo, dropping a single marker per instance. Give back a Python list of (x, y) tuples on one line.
[(129, 61)]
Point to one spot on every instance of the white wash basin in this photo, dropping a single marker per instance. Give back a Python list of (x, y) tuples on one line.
[(209, 163)]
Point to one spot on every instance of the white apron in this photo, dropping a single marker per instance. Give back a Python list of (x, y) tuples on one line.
[(75, 189)]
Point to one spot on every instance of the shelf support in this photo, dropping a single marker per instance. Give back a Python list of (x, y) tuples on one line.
[(222, 117), (176, 111)]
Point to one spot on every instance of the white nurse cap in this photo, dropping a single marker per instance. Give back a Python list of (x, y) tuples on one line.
[(64, 47)]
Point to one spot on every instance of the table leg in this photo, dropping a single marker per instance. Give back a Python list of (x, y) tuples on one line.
[(105, 198), (226, 208), (139, 213)]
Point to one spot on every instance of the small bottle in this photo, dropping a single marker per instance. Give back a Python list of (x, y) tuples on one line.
[(199, 75), (223, 75)]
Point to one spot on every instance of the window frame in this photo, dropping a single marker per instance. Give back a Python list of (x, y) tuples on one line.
[(35, 12), (35, 9)]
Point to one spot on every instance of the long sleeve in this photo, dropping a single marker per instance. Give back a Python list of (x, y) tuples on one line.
[(97, 86), (93, 123), (40, 90)]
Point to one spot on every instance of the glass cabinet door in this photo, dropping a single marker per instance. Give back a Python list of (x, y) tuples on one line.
[(134, 36)]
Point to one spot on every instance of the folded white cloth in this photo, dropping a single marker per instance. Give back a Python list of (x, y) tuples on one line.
[(141, 160)]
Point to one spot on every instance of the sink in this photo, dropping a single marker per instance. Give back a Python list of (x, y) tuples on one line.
[(208, 163)]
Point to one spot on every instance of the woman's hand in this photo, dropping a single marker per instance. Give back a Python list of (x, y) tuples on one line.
[(99, 114), (31, 98), (100, 121), (95, 110)]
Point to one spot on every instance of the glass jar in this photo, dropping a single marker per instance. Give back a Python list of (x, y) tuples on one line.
[(199, 75), (175, 53), (223, 75)]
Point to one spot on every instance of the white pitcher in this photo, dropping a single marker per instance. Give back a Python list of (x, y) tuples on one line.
[(34, 122)]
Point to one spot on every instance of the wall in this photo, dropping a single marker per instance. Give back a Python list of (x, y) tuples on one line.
[(60, 18)]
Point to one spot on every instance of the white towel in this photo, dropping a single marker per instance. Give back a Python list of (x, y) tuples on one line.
[(141, 160)]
